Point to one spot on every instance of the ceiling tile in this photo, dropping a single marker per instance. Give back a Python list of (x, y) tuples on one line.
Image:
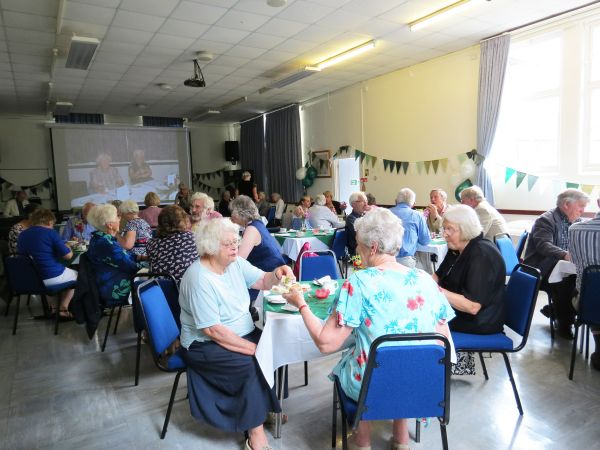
[(88, 13), (342, 20), (226, 35), (317, 34), (196, 12), (260, 40), (28, 36), (375, 7), (245, 52), (105, 3), (295, 46), (168, 41), (121, 48), (137, 21), (259, 7), (112, 58), (159, 8), (70, 27), (241, 20), (280, 27), (29, 21), (126, 36), (183, 28), (42, 8), (29, 49), (376, 27), (211, 46), (306, 12)]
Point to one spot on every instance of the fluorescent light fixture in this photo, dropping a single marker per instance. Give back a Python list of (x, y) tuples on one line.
[(207, 113), (440, 14), (296, 76), (359, 49), (81, 52), (233, 103)]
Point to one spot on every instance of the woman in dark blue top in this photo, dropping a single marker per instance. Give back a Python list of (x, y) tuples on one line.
[(257, 245), (112, 265)]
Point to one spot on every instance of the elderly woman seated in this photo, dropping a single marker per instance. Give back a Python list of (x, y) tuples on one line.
[(104, 177), (385, 298), (150, 214), (19, 227), (226, 387), (46, 247), (173, 250), (320, 215), (258, 247), (300, 213), (136, 232), (112, 265), (472, 278)]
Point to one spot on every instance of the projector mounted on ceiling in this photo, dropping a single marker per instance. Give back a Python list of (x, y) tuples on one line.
[(198, 79)]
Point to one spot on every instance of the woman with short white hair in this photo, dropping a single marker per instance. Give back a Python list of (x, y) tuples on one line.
[(113, 267), (136, 231), (226, 386), (472, 275), (385, 298), (139, 170), (104, 177), (320, 215)]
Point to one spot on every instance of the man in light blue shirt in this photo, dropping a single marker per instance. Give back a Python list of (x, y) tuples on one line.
[(415, 227), (77, 227)]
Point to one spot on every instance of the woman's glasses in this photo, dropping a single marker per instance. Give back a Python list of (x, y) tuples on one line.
[(231, 244)]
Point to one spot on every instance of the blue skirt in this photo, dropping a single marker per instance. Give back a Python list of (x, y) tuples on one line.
[(227, 389)]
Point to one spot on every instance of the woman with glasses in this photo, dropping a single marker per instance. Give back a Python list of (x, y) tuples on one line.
[(472, 278), (226, 387)]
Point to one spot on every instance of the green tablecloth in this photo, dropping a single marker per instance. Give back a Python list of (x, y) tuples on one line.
[(326, 238), (74, 260), (320, 308)]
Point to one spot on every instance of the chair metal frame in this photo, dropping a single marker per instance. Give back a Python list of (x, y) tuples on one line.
[(532, 271), (320, 254), (587, 297), (342, 257), (521, 244), (373, 365), (140, 289)]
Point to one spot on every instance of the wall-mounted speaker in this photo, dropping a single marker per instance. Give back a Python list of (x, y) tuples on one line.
[(232, 151)]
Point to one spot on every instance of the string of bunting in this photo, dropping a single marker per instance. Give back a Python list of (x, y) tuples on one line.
[(33, 189), (199, 178), (519, 177)]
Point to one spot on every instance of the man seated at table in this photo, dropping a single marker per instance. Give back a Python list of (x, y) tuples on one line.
[(77, 227), (202, 207), (584, 248), (548, 243), (359, 203), (491, 220), (15, 207), (415, 227), (320, 215), (436, 209)]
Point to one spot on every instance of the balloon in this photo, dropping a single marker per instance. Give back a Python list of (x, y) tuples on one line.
[(311, 173), (455, 178), (301, 173), (461, 187), (467, 168), (307, 182)]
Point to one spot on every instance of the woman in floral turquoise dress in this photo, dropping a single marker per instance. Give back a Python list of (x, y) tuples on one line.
[(113, 266), (385, 298)]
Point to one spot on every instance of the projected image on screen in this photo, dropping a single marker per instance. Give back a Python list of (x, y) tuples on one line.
[(112, 164)]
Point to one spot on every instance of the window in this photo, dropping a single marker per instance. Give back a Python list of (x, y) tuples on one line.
[(550, 110)]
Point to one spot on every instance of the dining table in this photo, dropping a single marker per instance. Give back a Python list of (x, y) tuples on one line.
[(436, 250), (292, 241), (561, 270)]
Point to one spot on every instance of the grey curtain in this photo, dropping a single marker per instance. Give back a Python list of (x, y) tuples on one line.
[(492, 67), (283, 152), (252, 150)]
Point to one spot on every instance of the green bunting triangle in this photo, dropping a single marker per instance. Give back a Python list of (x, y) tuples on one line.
[(572, 185), (461, 157), (435, 164), (398, 165), (520, 177), (386, 163), (587, 188), (373, 160), (531, 180), (509, 173), (362, 157), (419, 166), (444, 163), (357, 154), (405, 166), (427, 166)]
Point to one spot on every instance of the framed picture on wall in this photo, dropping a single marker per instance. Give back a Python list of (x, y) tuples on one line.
[(320, 161)]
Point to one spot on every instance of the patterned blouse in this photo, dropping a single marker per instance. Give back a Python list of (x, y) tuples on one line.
[(113, 267), (376, 302), (173, 253), (143, 233), (13, 235)]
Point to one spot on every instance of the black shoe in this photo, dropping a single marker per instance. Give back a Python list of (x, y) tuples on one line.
[(547, 311), (254, 314), (565, 332), (595, 358)]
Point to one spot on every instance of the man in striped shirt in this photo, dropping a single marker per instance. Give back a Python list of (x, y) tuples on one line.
[(584, 247)]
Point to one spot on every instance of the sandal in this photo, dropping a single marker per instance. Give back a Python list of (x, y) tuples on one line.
[(249, 447), (395, 445), (64, 315)]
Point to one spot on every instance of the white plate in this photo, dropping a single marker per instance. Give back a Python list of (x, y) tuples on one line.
[(276, 299), (290, 308), (282, 234)]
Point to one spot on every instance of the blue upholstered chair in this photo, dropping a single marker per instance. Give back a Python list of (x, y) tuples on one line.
[(521, 244), (338, 246), (400, 382), (508, 252), (24, 279), (519, 304), (271, 216), (169, 286), (323, 264), (162, 331), (589, 307)]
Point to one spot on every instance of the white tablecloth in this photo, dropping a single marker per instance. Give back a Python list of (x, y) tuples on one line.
[(291, 246), (439, 250), (561, 270)]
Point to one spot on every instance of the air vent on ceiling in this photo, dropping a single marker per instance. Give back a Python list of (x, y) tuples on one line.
[(62, 108), (81, 52), (297, 76), (210, 112)]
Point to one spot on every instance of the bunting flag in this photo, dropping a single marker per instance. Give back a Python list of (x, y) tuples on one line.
[(405, 166), (398, 165), (435, 164), (373, 160), (472, 154), (462, 157), (420, 165), (587, 188), (509, 173), (362, 156), (531, 180), (572, 185), (427, 166), (520, 177), (357, 154), (444, 163), (386, 163)]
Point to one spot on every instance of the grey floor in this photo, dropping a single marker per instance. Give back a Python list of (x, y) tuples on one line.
[(62, 392)]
